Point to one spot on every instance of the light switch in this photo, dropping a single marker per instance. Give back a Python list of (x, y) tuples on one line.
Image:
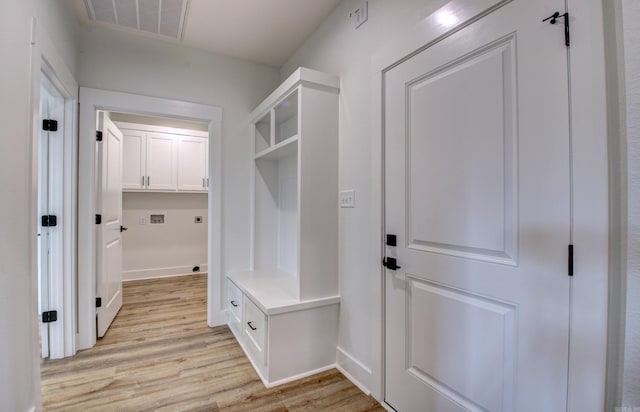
[(348, 198), (359, 14), (143, 220)]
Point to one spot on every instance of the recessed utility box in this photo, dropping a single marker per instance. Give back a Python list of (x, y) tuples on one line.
[(156, 219)]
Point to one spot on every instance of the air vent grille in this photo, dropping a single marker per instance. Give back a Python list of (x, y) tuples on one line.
[(163, 17)]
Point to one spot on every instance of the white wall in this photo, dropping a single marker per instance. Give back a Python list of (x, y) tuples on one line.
[(337, 48), (18, 349), (631, 95), (158, 121), (120, 62), (172, 248)]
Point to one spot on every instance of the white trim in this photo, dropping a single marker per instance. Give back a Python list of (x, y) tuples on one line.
[(94, 99), (353, 369), (46, 59), (161, 129), (588, 329), (300, 376), (159, 273), (590, 191)]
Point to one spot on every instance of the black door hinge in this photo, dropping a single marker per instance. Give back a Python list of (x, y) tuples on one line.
[(553, 19), (49, 221), (50, 125), (98, 136), (50, 316), (98, 302), (98, 219), (570, 265)]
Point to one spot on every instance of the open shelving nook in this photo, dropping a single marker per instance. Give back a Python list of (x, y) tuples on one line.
[(293, 274)]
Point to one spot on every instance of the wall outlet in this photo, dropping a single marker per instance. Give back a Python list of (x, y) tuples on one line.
[(348, 198), (359, 14), (197, 219)]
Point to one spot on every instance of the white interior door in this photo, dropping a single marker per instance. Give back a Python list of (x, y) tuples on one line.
[(50, 203), (109, 276), (477, 190)]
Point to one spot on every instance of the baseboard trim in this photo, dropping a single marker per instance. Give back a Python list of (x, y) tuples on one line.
[(301, 375), (156, 273), (354, 370)]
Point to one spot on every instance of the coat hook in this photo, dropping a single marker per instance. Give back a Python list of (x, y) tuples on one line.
[(553, 17)]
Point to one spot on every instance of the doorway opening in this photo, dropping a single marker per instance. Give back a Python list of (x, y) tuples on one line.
[(122, 106), (153, 208)]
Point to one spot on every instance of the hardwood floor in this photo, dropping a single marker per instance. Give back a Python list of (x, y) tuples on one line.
[(159, 354)]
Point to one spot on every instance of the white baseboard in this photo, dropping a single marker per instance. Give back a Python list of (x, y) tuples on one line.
[(354, 370), (300, 376), (154, 273)]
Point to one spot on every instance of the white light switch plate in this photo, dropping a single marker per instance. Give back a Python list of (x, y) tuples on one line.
[(347, 198), (359, 14)]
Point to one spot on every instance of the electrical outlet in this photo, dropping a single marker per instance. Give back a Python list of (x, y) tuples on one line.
[(348, 198), (197, 219), (359, 14)]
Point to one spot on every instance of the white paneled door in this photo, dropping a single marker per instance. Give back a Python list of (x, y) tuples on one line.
[(477, 192), (109, 262)]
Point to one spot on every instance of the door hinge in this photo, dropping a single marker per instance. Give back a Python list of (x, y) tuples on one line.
[(50, 125), (49, 221), (98, 302), (49, 316), (98, 219), (553, 19), (570, 265), (98, 136)]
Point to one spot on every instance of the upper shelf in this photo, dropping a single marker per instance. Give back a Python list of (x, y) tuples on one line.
[(311, 78), (285, 148)]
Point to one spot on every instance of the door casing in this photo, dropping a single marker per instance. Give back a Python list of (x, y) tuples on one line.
[(92, 100), (47, 60), (588, 329)]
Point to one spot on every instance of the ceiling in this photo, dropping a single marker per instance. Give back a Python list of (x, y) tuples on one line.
[(262, 31)]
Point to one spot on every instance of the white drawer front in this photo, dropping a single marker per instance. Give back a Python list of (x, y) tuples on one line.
[(255, 327), (234, 304)]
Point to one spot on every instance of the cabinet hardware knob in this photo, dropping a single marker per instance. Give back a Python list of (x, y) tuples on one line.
[(234, 304), (251, 326)]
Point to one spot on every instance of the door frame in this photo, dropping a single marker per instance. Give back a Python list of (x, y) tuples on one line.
[(95, 99), (590, 226), (45, 59)]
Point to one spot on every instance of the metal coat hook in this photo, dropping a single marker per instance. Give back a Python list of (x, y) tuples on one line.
[(553, 19)]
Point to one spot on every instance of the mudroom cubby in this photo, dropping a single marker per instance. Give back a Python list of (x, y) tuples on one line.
[(293, 276)]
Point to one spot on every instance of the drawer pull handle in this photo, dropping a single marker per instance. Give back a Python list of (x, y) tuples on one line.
[(251, 326), (234, 304)]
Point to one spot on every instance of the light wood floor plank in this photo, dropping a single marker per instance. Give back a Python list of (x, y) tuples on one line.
[(160, 355)]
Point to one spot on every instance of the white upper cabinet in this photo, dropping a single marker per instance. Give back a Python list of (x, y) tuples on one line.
[(192, 163), (134, 163), (162, 159), (161, 162)]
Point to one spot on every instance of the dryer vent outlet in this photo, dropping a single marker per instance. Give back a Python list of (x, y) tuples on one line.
[(196, 269)]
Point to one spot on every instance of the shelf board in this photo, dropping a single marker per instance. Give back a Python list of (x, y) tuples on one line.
[(285, 148), (275, 292)]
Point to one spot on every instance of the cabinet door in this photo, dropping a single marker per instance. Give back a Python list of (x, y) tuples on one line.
[(192, 163), (161, 161), (134, 160)]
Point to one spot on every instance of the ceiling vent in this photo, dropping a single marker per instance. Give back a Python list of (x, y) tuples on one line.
[(163, 17)]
